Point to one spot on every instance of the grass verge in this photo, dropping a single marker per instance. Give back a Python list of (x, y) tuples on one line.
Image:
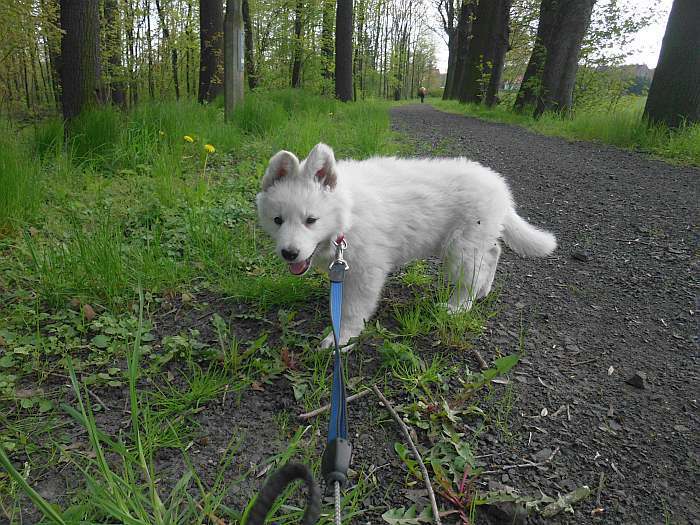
[(620, 124)]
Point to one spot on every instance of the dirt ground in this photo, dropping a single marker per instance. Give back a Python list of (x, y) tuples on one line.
[(619, 296)]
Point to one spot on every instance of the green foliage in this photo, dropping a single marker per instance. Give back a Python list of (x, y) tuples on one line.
[(20, 193)]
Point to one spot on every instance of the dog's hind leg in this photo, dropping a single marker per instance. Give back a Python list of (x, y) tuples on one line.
[(490, 263), (470, 267)]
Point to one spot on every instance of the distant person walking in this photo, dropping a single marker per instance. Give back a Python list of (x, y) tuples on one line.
[(422, 92)]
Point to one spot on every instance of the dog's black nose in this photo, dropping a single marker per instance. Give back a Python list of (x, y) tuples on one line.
[(290, 255)]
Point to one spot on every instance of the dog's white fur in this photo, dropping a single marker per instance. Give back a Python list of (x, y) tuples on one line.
[(393, 211)]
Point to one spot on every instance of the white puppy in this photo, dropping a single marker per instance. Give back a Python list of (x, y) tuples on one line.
[(393, 211)]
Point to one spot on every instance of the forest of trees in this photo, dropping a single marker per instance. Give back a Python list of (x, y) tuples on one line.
[(131, 50), (71, 53)]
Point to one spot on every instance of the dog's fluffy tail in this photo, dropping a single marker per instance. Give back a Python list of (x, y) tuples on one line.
[(525, 239)]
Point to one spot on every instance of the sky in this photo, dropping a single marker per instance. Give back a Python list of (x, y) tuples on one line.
[(645, 46)]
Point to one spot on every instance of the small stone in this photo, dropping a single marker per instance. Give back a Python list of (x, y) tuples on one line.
[(542, 455), (680, 428), (507, 512), (638, 380), (568, 484), (186, 297), (505, 478), (614, 425), (582, 255)]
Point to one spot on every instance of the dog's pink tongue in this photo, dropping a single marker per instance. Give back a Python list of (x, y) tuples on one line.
[(298, 267)]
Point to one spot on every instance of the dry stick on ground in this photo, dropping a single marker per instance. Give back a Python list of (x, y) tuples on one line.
[(407, 435), (325, 408), (483, 364)]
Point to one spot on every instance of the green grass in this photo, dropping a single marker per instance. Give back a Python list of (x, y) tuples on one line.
[(620, 124), (20, 193), (114, 241), (129, 202)]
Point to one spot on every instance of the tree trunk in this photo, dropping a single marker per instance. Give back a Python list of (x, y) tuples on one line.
[(249, 55), (463, 36), (487, 49), (549, 79), (25, 77), (451, 58), (234, 53), (113, 45), (149, 50), (343, 50), (327, 39), (297, 47), (360, 13), (80, 56), (188, 53), (211, 32), (173, 49), (674, 95)]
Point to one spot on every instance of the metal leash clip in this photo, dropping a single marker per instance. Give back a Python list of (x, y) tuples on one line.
[(340, 245)]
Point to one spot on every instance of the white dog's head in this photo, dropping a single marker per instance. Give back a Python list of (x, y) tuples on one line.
[(297, 205)]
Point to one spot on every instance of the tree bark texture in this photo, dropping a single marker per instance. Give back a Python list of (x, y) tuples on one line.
[(327, 39), (548, 83), (234, 54), (297, 48), (211, 35), (113, 46), (674, 95), (451, 56), (80, 56), (249, 54), (461, 51), (343, 50), (486, 53), (446, 8), (173, 49)]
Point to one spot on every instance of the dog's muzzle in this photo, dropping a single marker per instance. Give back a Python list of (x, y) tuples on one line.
[(301, 267)]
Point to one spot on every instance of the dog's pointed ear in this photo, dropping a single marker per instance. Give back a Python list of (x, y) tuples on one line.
[(282, 164), (321, 164)]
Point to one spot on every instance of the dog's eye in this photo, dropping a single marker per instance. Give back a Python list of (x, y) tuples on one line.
[(278, 220), (311, 220)]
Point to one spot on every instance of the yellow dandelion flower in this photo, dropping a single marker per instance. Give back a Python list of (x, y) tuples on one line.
[(209, 148), (188, 138)]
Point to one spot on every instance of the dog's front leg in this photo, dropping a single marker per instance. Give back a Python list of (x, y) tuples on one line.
[(360, 297)]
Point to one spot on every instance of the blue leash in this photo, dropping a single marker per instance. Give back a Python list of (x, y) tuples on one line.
[(336, 456)]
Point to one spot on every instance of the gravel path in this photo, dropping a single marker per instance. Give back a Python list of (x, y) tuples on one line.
[(619, 296)]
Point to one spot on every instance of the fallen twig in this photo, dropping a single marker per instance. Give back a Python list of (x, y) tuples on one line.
[(601, 480), (482, 363), (407, 435), (325, 408), (527, 464), (97, 398)]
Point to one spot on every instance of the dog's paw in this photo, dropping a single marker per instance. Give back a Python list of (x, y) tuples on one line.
[(328, 341), (454, 309)]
